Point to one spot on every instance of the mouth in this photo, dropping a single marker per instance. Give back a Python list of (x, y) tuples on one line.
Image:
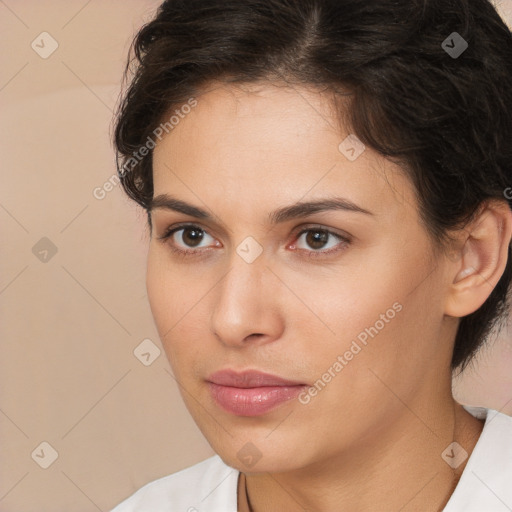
[(251, 393)]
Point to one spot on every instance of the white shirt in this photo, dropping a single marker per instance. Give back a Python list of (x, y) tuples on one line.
[(211, 486)]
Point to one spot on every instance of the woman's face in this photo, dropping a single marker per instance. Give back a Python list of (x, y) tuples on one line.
[(352, 309)]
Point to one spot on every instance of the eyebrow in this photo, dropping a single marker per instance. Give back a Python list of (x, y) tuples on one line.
[(283, 214)]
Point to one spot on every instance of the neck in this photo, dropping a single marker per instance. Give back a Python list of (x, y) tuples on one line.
[(388, 468)]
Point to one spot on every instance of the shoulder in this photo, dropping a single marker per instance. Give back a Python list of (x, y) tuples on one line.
[(210, 485), (485, 483)]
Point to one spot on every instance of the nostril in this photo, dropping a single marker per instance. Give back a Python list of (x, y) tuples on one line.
[(255, 334)]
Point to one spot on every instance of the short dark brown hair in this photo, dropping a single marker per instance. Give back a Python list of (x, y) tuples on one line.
[(445, 118)]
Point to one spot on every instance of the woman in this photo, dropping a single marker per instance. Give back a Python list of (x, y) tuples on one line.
[(330, 240)]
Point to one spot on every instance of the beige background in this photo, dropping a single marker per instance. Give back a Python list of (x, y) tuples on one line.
[(71, 320)]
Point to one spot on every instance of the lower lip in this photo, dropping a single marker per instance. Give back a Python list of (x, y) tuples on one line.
[(252, 401)]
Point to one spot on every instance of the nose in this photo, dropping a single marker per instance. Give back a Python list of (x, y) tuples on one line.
[(247, 307)]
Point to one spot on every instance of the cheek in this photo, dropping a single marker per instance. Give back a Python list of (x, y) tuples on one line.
[(160, 291), (171, 289), (387, 346), (367, 333), (174, 296), (356, 302), (370, 320)]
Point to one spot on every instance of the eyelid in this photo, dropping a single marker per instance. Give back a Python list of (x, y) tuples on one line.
[(297, 231), (311, 227), (168, 231), (344, 239)]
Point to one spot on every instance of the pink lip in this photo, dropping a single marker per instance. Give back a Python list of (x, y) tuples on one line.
[(251, 393)]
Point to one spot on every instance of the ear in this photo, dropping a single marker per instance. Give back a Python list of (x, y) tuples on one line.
[(480, 261)]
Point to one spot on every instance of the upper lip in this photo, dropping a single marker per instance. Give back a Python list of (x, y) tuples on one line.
[(249, 379)]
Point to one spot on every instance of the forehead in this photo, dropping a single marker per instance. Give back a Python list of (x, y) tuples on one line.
[(262, 145)]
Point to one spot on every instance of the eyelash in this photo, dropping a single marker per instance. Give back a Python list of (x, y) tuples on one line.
[(310, 254)]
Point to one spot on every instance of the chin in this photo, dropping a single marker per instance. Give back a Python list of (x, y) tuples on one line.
[(275, 463)]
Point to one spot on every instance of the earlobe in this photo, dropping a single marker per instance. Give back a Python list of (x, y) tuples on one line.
[(482, 260)]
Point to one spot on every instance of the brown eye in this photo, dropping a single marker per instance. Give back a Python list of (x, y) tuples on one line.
[(188, 241), (192, 236), (318, 242), (316, 239)]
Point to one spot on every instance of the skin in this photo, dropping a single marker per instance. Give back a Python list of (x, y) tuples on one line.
[(376, 432)]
